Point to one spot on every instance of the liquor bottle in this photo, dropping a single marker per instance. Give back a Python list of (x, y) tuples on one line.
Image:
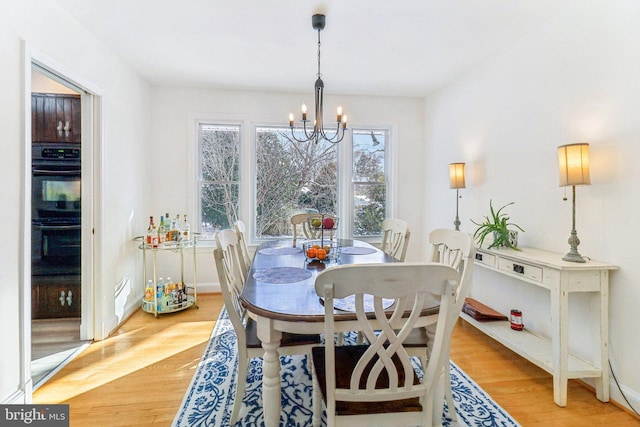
[(167, 226), (154, 237), (149, 228), (186, 230), (162, 230), (174, 230), (152, 234)]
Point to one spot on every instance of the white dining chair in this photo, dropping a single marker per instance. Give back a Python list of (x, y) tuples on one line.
[(376, 384), (249, 345), (395, 238), (246, 259), (300, 224), (455, 249)]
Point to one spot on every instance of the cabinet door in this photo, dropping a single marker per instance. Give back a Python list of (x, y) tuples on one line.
[(55, 118), (55, 298)]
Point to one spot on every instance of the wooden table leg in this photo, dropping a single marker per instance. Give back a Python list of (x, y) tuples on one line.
[(271, 372)]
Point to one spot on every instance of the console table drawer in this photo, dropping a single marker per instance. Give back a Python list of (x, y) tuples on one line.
[(516, 267), (485, 258)]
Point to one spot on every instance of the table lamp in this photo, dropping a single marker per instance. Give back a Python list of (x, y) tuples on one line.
[(573, 162), (456, 180)]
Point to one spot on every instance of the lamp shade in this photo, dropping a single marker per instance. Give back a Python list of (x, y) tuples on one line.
[(573, 163), (456, 175)]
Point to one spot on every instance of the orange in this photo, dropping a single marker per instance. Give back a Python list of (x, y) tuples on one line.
[(327, 249), (321, 253), (312, 253), (316, 246)]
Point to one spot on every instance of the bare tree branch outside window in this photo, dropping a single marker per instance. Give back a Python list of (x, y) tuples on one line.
[(292, 177)]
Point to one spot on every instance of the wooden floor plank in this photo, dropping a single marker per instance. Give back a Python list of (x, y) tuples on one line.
[(139, 375)]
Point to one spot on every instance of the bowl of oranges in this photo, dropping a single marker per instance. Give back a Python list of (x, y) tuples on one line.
[(321, 250)]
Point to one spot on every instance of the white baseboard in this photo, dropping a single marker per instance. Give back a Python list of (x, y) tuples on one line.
[(632, 396), (17, 397), (208, 288)]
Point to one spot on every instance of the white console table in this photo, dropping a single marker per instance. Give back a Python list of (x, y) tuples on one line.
[(549, 271)]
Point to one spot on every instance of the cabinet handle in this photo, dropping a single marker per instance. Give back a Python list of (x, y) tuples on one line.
[(69, 298), (479, 257), (518, 268), (66, 128), (61, 298)]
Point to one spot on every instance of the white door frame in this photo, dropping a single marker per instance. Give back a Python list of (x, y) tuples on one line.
[(92, 137)]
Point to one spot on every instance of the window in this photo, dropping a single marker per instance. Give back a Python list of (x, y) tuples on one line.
[(369, 186), (292, 177), (219, 166), (348, 179)]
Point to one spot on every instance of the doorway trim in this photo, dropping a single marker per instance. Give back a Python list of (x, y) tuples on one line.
[(92, 137)]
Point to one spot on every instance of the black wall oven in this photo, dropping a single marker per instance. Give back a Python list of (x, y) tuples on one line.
[(56, 207)]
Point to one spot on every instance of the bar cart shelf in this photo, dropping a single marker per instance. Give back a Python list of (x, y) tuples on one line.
[(149, 256)]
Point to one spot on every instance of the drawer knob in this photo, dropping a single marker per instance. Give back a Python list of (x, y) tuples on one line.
[(518, 268)]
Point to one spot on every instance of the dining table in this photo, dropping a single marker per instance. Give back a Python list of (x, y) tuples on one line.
[(279, 294)]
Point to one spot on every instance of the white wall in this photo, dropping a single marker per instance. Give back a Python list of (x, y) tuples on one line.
[(173, 114), (573, 80), (50, 31)]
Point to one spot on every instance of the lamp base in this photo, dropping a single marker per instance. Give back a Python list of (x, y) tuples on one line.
[(573, 255)]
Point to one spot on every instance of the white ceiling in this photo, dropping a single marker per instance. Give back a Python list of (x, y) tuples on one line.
[(371, 47)]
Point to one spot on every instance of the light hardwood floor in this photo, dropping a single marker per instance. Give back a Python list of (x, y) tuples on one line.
[(138, 376)]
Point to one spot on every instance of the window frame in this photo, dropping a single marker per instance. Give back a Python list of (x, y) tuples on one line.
[(247, 202)]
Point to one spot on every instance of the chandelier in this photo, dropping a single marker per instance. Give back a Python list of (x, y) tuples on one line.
[(318, 132)]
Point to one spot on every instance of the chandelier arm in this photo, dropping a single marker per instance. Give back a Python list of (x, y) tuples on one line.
[(308, 136)]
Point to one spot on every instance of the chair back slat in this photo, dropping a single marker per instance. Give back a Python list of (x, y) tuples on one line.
[(395, 238), (245, 257)]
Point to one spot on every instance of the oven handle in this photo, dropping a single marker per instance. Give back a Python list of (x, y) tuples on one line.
[(48, 172), (58, 227)]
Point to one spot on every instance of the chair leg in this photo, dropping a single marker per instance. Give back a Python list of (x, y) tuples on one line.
[(316, 400), (448, 393), (241, 381)]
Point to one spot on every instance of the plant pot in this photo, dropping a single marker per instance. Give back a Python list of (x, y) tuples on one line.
[(512, 236)]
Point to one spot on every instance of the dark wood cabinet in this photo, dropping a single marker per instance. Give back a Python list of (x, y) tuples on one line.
[(55, 296), (55, 118)]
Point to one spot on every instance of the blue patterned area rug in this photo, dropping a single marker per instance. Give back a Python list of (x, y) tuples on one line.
[(209, 399)]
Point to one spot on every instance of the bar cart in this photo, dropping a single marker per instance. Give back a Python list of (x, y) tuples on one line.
[(167, 297)]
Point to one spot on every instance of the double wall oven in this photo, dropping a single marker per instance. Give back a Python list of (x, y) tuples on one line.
[(56, 230)]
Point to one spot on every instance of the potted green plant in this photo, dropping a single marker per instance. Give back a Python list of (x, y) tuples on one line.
[(497, 224)]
